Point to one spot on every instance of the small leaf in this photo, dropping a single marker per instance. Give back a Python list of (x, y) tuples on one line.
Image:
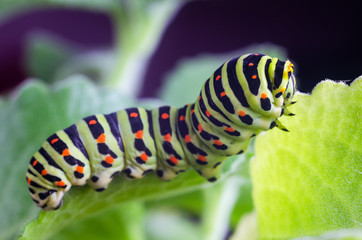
[(44, 55), (309, 181), (96, 65)]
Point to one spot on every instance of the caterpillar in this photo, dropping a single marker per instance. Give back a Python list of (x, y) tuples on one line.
[(242, 98)]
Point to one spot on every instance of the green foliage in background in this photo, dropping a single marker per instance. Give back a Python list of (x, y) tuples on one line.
[(303, 183)]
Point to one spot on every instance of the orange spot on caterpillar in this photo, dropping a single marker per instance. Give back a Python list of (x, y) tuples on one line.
[(263, 95), (79, 169), (65, 152), (60, 184), (92, 122), (199, 98), (217, 77), (133, 114), (139, 134), (202, 158), (187, 138), (109, 159), (167, 137), (144, 157), (229, 129), (54, 140), (35, 163), (101, 138), (218, 142), (241, 113), (173, 159), (251, 64), (164, 116), (199, 128), (192, 111), (29, 181), (222, 94), (256, 54), (282, 90), (182, 118), (208, 113), (254, 77), (44, 172)]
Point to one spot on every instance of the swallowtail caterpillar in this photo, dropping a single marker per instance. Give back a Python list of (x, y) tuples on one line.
[(242, 98)]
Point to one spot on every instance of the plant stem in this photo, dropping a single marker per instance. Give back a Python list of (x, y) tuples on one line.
[(139, 27), (219, 202)]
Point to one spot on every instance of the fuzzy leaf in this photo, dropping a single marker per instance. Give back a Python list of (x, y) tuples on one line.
[(309, 181)]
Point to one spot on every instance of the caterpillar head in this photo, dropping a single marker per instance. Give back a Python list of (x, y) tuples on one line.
[(288, 76), (284, 87), (283, 80)]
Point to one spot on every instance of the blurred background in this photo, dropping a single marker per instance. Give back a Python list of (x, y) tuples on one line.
[(321, 39)]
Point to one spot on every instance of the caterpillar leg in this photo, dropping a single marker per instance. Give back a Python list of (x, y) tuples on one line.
[(281, 126), (287, 112)]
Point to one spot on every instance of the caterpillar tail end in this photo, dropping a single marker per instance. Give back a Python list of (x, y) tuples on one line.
[(46, 196), (54, 202)]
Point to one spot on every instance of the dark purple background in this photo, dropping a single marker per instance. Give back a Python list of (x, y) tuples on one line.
[(322, 40)]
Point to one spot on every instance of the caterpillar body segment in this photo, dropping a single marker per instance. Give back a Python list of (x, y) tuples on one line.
[(243, 97)]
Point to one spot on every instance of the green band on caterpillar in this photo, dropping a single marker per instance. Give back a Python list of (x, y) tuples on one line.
[(243, 97)]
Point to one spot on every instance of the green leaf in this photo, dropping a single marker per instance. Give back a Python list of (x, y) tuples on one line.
[(183, 84), (124, 221), (27, 119), (44, 55), (96, 65), (309, 181), (120, 190)]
